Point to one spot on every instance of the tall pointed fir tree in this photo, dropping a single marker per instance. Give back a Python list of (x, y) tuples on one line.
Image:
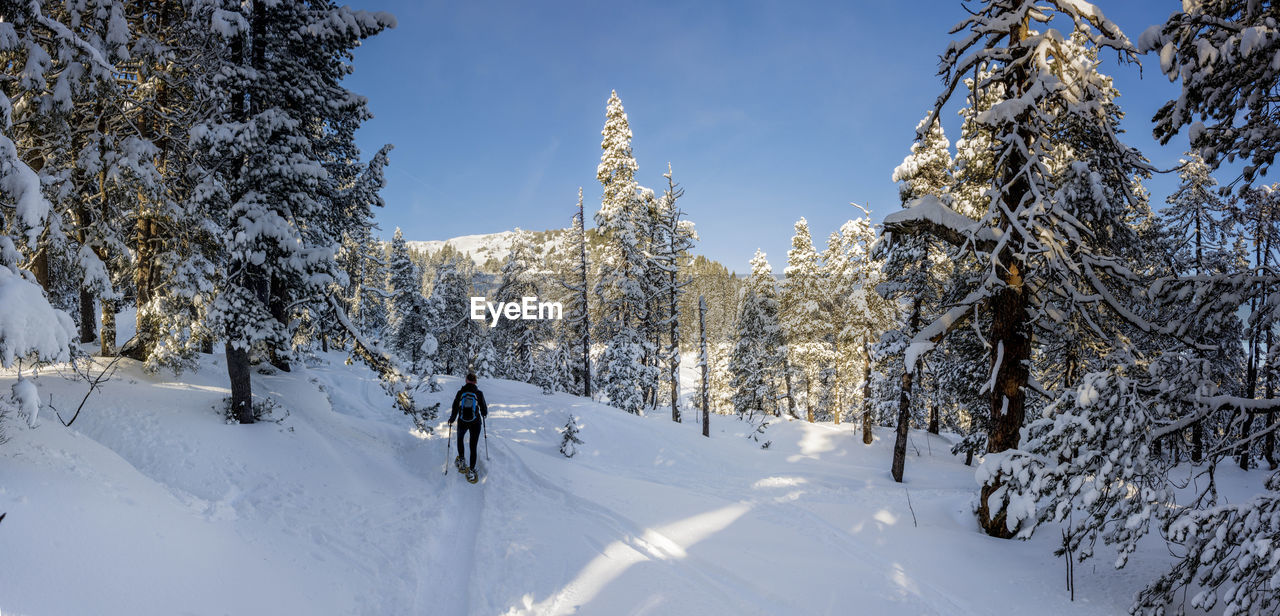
[(756, 362), (859, 315), (577, 306), (449, 317), (518, 341), (621, 286), (804, 315), (406, 326)]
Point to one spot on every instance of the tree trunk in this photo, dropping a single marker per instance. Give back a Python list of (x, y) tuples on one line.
[(241, 386), (791, 401), (108, 334), (88, 324), (144, 279), (706, 383), (904, 422), (904, 403), (839, 386), (867, 437), (808, 394), (1269, 441), (934, 420)]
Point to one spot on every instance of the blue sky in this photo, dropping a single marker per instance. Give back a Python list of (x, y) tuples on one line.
[(767, 111)]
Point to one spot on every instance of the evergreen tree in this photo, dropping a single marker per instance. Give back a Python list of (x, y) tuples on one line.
[(406, 324), (1021, 239), (756, 361), (804, 315), (449, 318), (517, 341), (621, 284), (577, 302), (913, 270)]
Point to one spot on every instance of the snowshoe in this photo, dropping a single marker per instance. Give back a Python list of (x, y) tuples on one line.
[(472, 476), (459, 464)]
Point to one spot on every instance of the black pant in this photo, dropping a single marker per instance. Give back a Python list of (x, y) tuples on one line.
[(474, 429)]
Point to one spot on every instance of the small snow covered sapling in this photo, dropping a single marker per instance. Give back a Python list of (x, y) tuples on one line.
[(569, 443), (27, 399)]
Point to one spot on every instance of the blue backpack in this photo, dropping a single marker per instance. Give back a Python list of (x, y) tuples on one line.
[(469, 404)]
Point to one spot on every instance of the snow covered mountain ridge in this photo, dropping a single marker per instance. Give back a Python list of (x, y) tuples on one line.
[(485, 246)]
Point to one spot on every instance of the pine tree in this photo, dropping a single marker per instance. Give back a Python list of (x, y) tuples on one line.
[(518, 341), (261, 152), (406, 325), (449, 318), (804, 315), (569, 442), (623, 269), (1020, 240), (577, 302), (756, 361), (913, 276)]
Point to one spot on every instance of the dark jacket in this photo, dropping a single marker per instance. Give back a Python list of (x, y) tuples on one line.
[(457, 401)]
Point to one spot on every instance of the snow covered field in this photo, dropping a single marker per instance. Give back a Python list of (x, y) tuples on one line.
[(151, 504)]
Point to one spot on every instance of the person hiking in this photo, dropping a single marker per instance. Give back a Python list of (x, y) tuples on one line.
[(469, 410)]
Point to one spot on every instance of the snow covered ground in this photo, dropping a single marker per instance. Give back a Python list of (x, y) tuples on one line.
[(151, 504)]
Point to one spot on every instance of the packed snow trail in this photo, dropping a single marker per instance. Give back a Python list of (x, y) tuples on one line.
[(151, 504)]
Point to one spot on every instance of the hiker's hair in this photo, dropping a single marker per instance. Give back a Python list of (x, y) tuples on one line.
[(471, 377)]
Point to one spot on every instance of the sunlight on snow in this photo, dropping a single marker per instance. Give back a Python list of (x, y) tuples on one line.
[(663, 543), (778, 482), (190, 387), (813, 443), (884, 516)]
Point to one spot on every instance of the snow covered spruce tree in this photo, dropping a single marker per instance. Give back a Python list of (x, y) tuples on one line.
[(756, 362), (621, 286), (859, 314), (804, 315), (577, 307), (914, 267), (406, 325), (518, 342), (280, 74), (449, 318), (32, 328), (1022, 238)]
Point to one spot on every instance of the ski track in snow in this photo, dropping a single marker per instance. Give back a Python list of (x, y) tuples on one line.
[(340, 508)]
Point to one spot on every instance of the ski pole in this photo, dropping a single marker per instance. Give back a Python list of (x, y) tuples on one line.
[(448, 442), (484, 427)]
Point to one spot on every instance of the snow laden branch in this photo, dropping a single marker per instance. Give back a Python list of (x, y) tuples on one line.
[(392, 374), (929, 216)]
